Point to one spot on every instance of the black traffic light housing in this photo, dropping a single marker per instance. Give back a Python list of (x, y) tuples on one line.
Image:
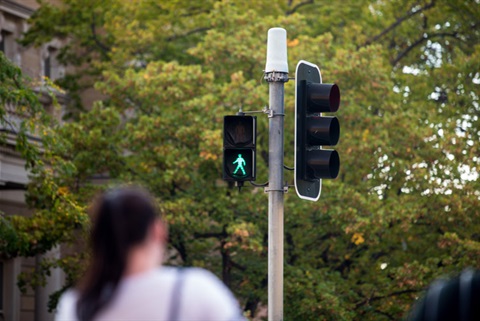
[(239, 148), (312, 130)]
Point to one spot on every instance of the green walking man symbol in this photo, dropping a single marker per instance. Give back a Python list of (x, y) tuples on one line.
[(240, 164)]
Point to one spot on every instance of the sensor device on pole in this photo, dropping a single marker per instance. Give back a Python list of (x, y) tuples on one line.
[(277, 60)]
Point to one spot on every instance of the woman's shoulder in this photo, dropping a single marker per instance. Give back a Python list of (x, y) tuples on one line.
[(200, 277), (199, 272), (69, 297), (205, 291), (195, 273), (67, 306)]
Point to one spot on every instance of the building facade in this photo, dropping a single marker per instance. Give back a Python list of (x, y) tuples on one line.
[(37, 63)]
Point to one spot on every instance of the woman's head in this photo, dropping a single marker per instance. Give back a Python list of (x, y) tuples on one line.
[(125, 222), (122, 218)]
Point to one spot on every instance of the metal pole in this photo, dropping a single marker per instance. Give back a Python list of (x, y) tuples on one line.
[(276, 74), (275, 196)]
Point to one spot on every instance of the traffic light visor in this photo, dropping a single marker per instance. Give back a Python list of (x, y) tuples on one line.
[(323, 98), (323, 130), (323, 163)]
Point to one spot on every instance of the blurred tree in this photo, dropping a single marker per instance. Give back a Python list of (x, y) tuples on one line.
[(23, 117)]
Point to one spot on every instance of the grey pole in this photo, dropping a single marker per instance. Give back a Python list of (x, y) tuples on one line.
[(276, 74)]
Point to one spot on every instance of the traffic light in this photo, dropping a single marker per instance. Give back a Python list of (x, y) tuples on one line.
[(312, 130), (239, 148)]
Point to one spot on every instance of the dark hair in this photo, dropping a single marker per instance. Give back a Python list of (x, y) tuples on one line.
[(122, 218)]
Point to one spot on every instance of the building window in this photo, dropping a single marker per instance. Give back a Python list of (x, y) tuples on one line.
[(2, 42), (51, 67), (6, 44), (47, 66)]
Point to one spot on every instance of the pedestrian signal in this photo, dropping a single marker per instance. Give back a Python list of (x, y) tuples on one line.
[(239, 148)]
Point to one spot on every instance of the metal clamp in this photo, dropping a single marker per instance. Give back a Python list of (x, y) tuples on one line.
[(275, 76), (285, 189), (271, 113)]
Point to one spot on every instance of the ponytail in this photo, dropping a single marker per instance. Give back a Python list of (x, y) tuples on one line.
[(122, 220)]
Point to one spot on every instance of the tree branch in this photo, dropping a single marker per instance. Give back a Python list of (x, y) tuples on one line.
[(195, 11), (347, 262), (376, 298), (105, 49), (298, 6), (238, 266), (179, 245), (389, 316), (419, 41), (398, 22), (226, 263)]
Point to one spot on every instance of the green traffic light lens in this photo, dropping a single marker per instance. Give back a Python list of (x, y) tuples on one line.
[(240, 166)]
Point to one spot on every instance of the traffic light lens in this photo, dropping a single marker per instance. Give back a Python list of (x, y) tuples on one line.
[(334, 164), (323, 98), (334, 98), (238, 164), (323, 130), (240, 167), (323, 163), (238, 131)]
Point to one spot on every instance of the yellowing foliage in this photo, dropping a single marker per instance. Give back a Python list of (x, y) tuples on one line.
[(357, 238)]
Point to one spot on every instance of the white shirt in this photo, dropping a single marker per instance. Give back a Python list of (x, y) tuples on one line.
[(148, 296)]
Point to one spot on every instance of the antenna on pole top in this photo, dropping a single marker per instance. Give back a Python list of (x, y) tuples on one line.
[(277, 51)]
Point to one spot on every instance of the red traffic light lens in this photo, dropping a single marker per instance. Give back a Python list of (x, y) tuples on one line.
[(323, 98)]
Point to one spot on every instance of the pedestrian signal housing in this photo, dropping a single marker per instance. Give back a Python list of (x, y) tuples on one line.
[(239, 148)]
